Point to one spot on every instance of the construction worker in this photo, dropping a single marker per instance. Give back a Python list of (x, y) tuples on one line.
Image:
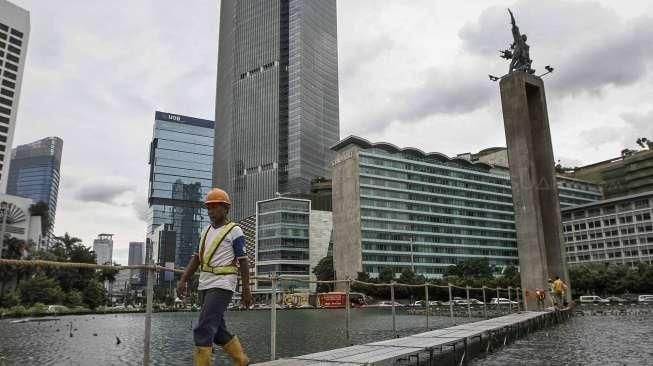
[(220, 254), (559, 289)]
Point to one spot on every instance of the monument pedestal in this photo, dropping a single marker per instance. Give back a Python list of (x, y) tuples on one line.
[(534, 188)]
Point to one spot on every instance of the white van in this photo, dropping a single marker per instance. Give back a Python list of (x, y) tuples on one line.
[(592, 299), (645, 298)]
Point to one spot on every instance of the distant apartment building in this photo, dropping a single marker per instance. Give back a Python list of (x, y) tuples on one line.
[(181, 162), (291, 239), (613, 231), (35, 173), (103, 248), (14, 35), (404, 208), (626, 175), (17, 222)]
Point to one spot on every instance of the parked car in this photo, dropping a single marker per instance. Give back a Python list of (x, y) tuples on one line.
[(592, 299), (419, 303), (383, 304), (616, 299), (645, 298), (55, 309), (435, 303), (502, 301), (475, 302)]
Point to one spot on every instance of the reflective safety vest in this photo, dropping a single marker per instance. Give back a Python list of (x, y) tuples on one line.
[(207, 254)]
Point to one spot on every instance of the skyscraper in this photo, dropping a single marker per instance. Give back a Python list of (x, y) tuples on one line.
[(181, 161), (34, 173), (277, 98), (14, 34), (135, 253), (103, 248)]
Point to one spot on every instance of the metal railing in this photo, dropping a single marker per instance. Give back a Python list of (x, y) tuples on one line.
[(276, 279)]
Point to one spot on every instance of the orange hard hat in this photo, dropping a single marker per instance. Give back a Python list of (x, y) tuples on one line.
[(217, 195)]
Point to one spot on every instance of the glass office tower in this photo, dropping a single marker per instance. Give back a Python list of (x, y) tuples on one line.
[(277, 98), (34, 173), (181, 161)]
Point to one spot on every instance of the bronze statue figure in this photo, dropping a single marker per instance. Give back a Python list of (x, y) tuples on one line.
[(518, 53)]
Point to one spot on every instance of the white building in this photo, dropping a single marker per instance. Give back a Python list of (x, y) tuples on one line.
[(14, 34), (16, 221)]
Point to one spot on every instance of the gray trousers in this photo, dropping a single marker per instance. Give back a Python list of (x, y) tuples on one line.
[(211, 327)]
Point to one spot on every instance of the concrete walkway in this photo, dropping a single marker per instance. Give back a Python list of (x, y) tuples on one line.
[(419, 349)]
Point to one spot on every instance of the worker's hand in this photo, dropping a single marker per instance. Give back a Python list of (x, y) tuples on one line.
[(182, 288), (246, 298)]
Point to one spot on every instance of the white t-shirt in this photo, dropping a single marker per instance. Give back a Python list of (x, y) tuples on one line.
[(223, 256)]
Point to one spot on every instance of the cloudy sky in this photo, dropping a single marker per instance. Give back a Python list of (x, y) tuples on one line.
[(412, 72)]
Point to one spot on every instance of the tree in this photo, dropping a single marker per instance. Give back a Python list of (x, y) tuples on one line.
[(41, 209), (40, 289), (471, 268), (324, 272), (94, 294), (67, 241), (14, 249), (387, 275)]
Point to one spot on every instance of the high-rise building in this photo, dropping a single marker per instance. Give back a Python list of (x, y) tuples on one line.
[(34, 173), (103, 248), (277, 98), (181, 161), (403, 208), (135, 253), (14, 34)]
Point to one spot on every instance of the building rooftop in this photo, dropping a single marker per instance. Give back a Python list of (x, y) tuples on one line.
[(391, 148), (611, 200)]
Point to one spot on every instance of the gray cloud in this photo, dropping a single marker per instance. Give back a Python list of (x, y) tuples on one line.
[(640, 122), (106, 191)]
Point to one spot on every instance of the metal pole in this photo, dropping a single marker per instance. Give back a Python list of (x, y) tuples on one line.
[(148, 316), (484, 305), (428, 306), (518, 290), (273, 318), (509, 302), (348, 308), (498, 309), (469, 306), (392, 300), (451, 304)]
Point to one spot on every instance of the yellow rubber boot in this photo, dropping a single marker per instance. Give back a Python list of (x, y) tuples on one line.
[(235, 351), (202, 356)]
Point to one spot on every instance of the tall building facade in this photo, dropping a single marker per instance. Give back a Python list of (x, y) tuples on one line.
[(613, 231), (277, 98), (103, 248), (14, 35), (181, 161), (136, 252), (404, 208), (35, 173)]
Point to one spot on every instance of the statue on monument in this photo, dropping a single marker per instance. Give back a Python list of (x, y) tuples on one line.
[(518, 53)]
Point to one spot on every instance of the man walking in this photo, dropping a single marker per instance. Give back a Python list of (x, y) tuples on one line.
[(220, 255)]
